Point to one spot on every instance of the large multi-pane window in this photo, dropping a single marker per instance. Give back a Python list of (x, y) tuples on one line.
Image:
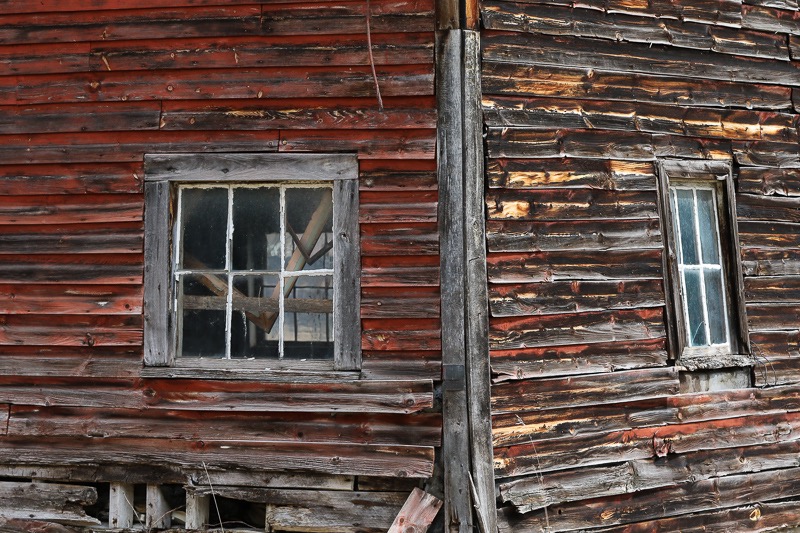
[(251, 257)]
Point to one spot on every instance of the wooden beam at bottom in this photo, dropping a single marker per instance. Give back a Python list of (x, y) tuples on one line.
[(158, 511), (417, 513), (196, 511), (120, 506)]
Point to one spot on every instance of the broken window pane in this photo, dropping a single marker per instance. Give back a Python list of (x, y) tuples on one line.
[(255, 317), (256, 229), (694, 305), (204, 214), (309, 220), (308, 322), (203, 299)]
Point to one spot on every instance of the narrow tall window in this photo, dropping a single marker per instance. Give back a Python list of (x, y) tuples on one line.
[(704, 285), (700, 266)]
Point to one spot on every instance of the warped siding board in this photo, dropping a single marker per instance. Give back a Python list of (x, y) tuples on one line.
[(642, 443), (347, 17), (562, 266), (564, 297), (570, 173), (45, 6), (506, 47), (729, 491), (753, 517), (117, 237), (4, 412), (570, 204), (56, 118), (758, 262), (552, 361), (353, 459), (521, 428), (61, 298), (769, 208), (368, 144), (563, 82), (258, 52), (650, 118), (400, 271), (767, 154), (391, 302), (534, 236), (776, 344), (210, 84), (129, 146), (401, 207), (403, 365), (105, 269), (776, 371), (389, 429), (70, 209), (528, 494), (346, 114), (771, 317), (199, 395), (574, 391), (387, 239), (566, 329), (57, 27), (769, 235), (38, 58), (401, 334), (769, 181), (397, 175), (71, 330), (633, 146), (770, 19), (76, 362), (552, 20), (71, 179), (770, 290)]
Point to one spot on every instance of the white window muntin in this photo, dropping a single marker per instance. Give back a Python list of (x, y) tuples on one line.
[(230, 273), (703, 268)]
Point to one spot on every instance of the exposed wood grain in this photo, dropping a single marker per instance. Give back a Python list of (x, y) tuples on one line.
[(552, 20), (38, 58), (575, 82), (638, 58), (767, 289), (394, 175), (757, 262), (769, 181), (116, 238), (615, 234), (71, 330), (558, 330), (369, 144), (58, 503), (577, 359), (770, 19), (70, 209), (769, 235), (570, 204), (512, 111), (770, 208), (411, 238), (573, 297), (59, 27), (248, 52), (767, 154), (104, 362), (643, 443), (60, 299), (586, 421), (329, 113), (71, 179), (558, 266), (729, 491), (528, 494), (526, 395), (400, 207), (419, 271), (354, 459), (199, 84), (394, 302), (771, 317), (570, 173), (121, 116), (421, 429), (418, 511)]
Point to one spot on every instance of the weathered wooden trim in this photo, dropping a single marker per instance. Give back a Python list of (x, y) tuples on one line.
[(347, 265), (450, 157), (120, 506), (476, 293), (158, 515), (250, 167), (197, 507), (157, 284), (49, 502), (417, 512)]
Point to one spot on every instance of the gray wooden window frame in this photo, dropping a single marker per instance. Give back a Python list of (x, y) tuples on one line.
[(164, 172), (718, 174)]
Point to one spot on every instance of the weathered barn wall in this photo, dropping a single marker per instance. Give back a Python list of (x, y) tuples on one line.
[(88, 88), (581, 100)]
